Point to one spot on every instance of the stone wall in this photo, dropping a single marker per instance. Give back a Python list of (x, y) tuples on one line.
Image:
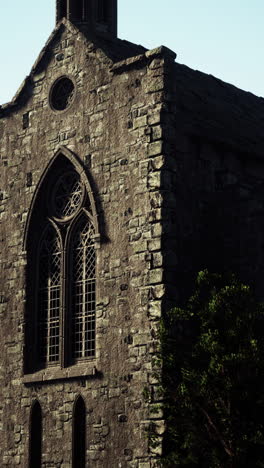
[(113, 127), (173, 195), (213, 210)]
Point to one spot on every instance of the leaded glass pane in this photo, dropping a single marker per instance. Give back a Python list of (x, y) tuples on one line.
[(83, 290), (49, 287)]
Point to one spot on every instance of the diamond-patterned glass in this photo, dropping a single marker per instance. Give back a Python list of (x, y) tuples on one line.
[(77, 301), (83, 290), (49, 297)]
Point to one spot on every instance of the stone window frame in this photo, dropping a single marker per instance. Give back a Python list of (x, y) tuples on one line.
[(55, 82), (66, 367), (61, 308)]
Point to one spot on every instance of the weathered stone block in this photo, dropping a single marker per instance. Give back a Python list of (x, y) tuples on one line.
[(154, 180), (155, 276), (155, 148), (141, 339), (165, 201), (155, 309)]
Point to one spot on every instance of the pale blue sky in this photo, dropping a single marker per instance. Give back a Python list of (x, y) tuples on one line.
[(221, 37)]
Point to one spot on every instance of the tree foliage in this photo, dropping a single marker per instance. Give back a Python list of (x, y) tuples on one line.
[(213, 377)]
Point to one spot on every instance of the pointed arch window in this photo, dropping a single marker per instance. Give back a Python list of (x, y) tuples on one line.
[(35, 441), (79, 434), (61, 275)]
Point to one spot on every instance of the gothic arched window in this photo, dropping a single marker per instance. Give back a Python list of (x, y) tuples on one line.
[(35, 441), (61, 270), (79, 434)]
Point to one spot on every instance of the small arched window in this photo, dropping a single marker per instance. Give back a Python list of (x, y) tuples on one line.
[(35, 440), (61, 271), (79, 434)]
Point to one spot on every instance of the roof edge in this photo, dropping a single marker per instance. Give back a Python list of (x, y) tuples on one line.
[(28, 79), (60, 27), (158, 52)]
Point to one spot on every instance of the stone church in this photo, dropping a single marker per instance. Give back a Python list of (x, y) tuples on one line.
[(123, 173)]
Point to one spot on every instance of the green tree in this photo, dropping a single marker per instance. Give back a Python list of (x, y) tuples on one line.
[(213, 377)]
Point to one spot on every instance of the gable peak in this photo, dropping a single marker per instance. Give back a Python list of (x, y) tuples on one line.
[(99, 15)]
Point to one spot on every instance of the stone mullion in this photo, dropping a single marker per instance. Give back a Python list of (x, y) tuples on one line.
[(84, 255), (48, 321), (64, 302), (35, 305)]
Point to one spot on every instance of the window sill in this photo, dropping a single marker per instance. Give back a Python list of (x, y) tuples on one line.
[(51, 374)]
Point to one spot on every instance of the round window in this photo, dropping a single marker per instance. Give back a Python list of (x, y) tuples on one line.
[(62, 94)]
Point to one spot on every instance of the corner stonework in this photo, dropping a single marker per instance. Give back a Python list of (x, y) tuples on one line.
[(149, 124)]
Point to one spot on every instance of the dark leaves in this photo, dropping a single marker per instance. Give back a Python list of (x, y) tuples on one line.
[(213, 357)]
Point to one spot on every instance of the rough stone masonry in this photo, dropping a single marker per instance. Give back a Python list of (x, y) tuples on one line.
[(169, 164)]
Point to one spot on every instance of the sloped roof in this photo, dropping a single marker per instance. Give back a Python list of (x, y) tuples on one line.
[(116, 49), (206, 106), (211, 108)]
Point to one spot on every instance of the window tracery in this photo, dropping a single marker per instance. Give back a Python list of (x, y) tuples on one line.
[(67, 195), (62, 94), (61, 272)]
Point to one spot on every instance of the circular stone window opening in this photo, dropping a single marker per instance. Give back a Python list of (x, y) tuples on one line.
[(62, 94)]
